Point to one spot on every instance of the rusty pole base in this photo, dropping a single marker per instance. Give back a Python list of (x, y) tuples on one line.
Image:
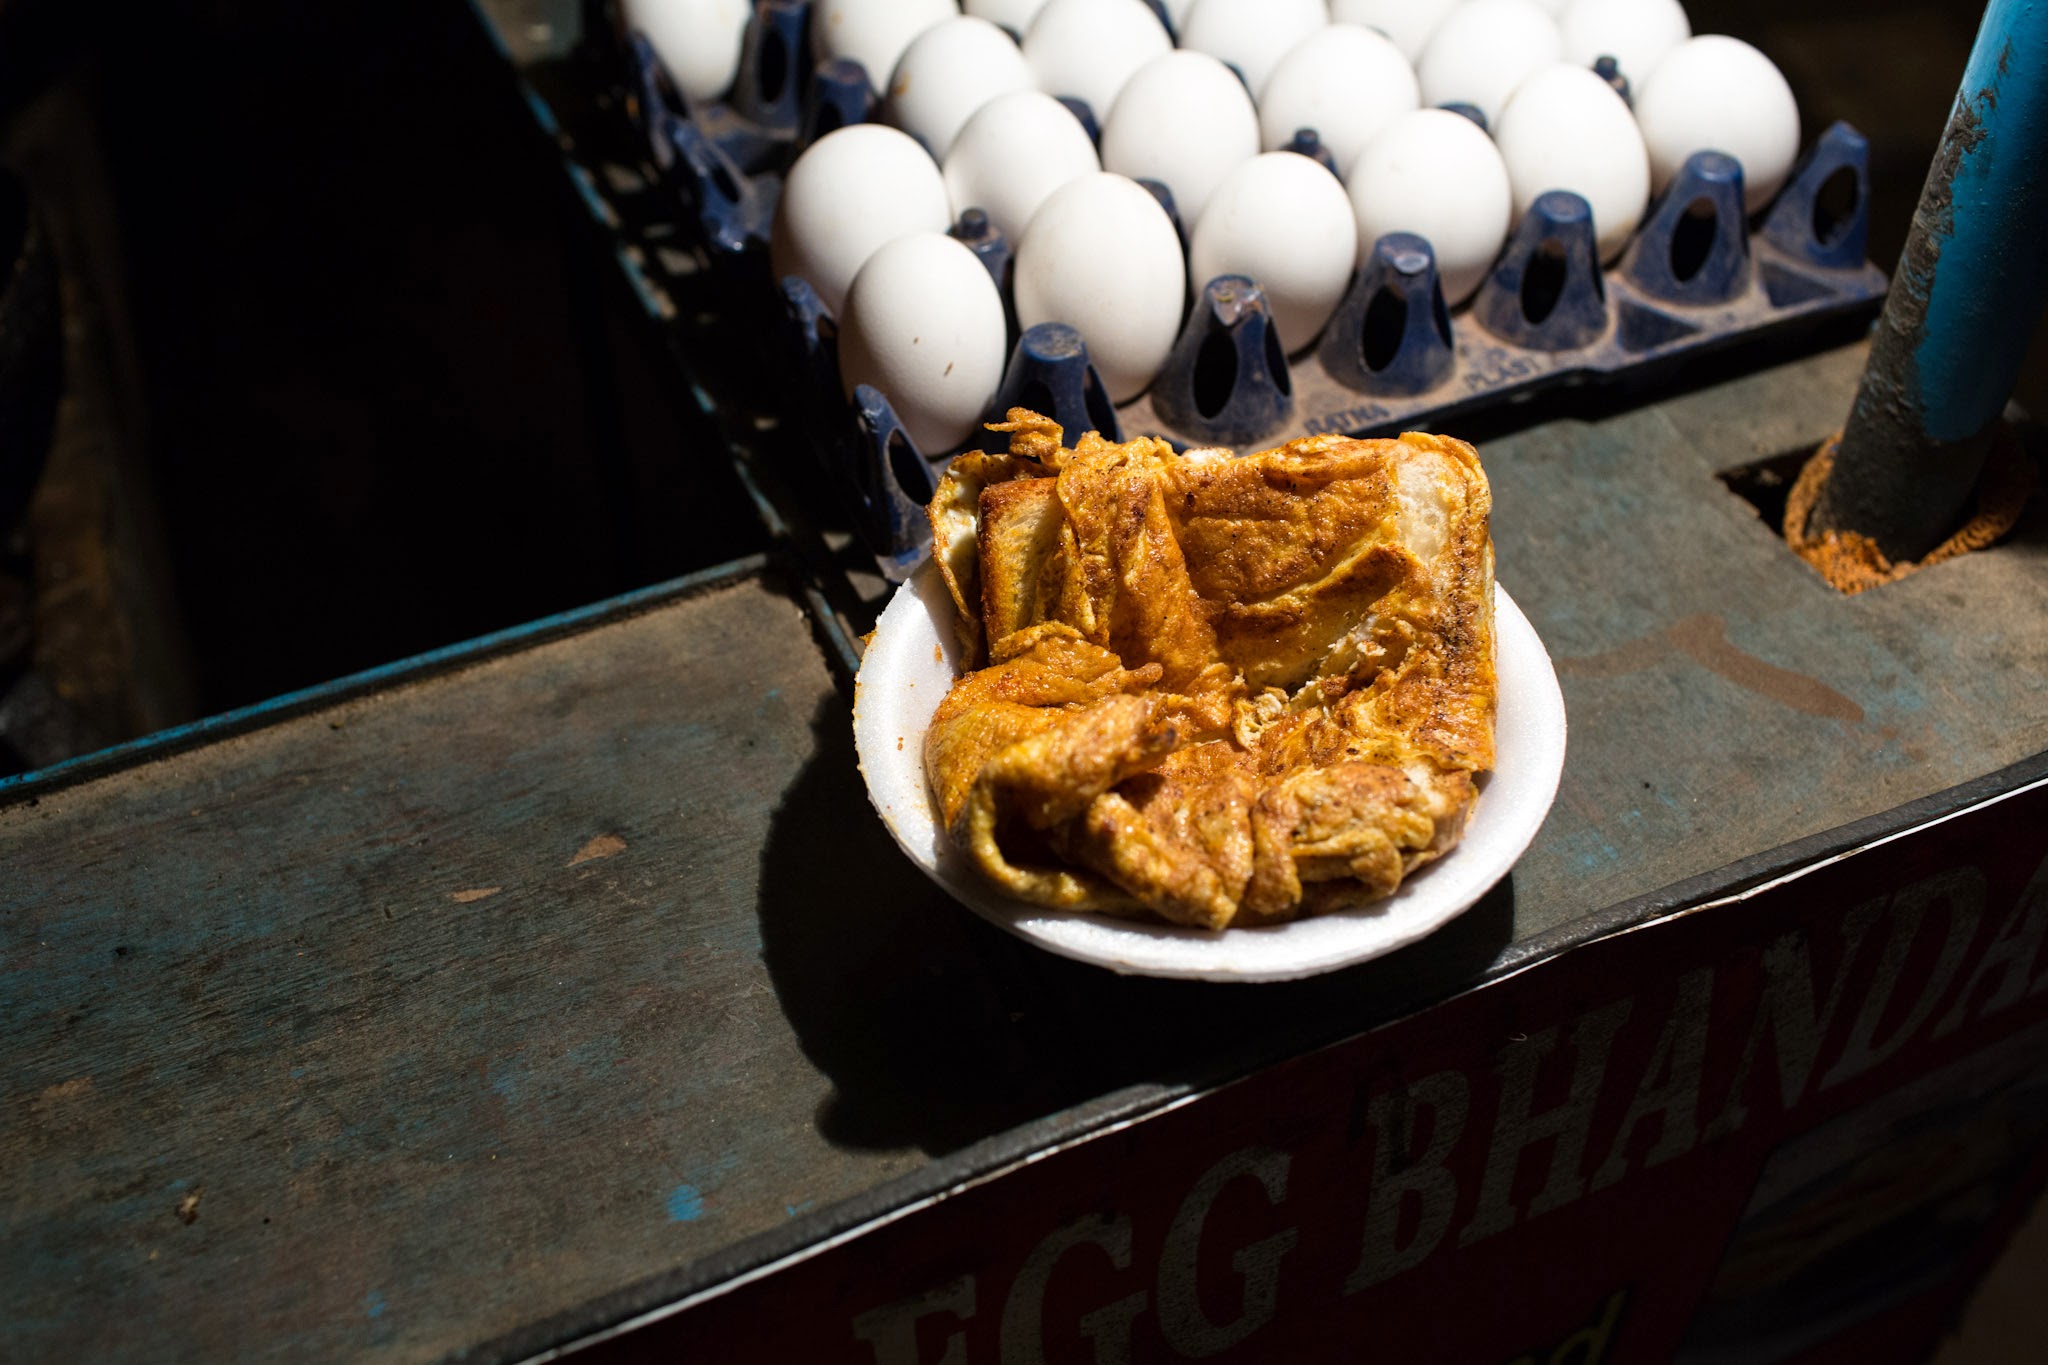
[(1852, 562)]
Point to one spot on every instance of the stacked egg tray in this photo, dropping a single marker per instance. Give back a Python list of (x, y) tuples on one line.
[(1699, 275)]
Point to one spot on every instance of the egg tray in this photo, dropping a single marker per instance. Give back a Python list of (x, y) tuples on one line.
[(1695, 278)]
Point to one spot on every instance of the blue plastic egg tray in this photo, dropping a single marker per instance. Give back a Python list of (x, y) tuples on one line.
[(1700, 275)]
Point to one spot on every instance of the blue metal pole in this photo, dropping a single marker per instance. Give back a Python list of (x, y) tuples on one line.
[(1968, 290)]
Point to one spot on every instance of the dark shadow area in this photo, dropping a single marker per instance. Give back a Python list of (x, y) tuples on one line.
[(884, 979), (1766, 485), (937, 1029), (2030, 536), (1543, 282), (1215, 372), (1694, 240), (1134, 1030), (1386, 322), (378, 353)]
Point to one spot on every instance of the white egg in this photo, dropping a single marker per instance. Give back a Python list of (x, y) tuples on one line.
[(852, 191), (1434, 173), (1016, 150), (1565, 129), (924, 324), (1482, 50), (1719, 94), (1553, 7), (1015, 15), (873, 32), (949, 71), (1252, 35), (698, 41), (1407, 23), (1345, 82), (1101, 256), (1286, 222), (1183, 120), (1636, 33), (1088, 48)]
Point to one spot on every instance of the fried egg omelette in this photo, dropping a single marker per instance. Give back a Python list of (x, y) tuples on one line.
[(1215, 689)]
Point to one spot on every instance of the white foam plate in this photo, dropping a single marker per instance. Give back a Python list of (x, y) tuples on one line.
[(911, 663)]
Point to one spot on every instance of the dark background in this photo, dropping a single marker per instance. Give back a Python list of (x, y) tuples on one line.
[(347, 377), (344, 310), (354, 297)]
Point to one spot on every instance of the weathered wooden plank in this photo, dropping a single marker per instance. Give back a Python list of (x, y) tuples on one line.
[(503, 990), (405, 1022), (1723, 698)]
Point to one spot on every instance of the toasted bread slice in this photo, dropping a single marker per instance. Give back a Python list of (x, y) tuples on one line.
[(1020, 528)]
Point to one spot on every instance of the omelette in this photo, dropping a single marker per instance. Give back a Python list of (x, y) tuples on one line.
[(1208, 688)]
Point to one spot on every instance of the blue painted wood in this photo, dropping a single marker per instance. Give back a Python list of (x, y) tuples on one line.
[(519, 987), (455, 1000)]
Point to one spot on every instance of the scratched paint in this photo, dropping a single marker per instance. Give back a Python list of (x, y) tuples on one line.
[(600, 847), (1982, 307), (1966, 295), (507, 1076), (710, 1174), (685, 1204)]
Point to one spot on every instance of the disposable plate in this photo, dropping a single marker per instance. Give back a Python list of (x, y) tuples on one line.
[(912, 661)]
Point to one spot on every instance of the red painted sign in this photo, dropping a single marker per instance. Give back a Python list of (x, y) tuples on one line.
[(1781, 1124)]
